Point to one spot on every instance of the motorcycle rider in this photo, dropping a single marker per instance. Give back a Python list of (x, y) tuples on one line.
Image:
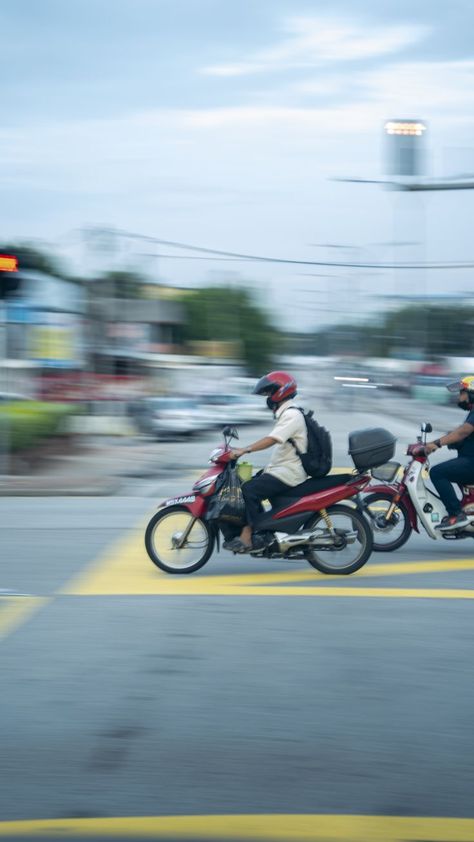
[(284, 469), (461, 469)]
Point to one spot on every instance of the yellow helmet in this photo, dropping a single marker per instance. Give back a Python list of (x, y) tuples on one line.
[(465, 384)]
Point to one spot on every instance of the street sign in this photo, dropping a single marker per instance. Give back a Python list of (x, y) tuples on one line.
[(9, 275)]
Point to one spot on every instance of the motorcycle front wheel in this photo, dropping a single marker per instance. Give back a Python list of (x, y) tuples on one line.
[(353, 544), (392, 534), (163, 535)]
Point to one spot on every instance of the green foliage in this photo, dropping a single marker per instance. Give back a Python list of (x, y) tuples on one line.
[(33, 258), (27, 423), (120, 284), (225, 314), (430, 329)]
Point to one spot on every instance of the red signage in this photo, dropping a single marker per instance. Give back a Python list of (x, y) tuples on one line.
[(8, 263)]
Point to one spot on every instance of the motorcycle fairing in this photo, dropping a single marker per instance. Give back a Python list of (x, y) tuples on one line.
[(420, 496), (193, 502), (267, 523)]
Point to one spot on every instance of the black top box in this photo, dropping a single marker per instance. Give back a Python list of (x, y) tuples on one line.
[(371, 447)]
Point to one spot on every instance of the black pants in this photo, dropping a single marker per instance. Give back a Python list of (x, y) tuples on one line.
[(261, 488), (460, 471)]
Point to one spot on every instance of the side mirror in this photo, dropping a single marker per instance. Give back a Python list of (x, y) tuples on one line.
[(426, 427), (230, 433)]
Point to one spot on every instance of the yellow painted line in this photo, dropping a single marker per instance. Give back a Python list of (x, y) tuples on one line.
[(369, 571), (318, 828), (14, 611), (402, 568), (390, 593), (125, 569)]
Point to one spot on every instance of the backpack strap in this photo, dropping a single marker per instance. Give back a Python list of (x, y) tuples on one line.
[(292, 441)]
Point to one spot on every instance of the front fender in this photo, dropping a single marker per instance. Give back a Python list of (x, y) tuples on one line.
[(194, 503), (392, 491)]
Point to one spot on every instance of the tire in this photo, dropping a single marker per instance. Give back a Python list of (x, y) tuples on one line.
[(169, 523), (337, 561), (397, 533)]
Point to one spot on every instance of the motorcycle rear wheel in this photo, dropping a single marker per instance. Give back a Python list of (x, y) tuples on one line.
[(349, 557), (164, 531)]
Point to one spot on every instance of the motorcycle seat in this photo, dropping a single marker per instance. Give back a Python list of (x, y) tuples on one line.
[(309, 486)]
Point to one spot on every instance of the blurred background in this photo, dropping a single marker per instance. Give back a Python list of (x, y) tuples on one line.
[(195, 194), (190, 208)]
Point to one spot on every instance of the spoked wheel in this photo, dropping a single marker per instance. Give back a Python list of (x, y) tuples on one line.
[(352, 546), (163, 537), (392, 534)]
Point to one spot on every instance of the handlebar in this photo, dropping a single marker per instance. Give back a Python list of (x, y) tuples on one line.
[(416, 449)]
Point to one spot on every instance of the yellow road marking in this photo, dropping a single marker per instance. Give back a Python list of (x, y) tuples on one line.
[(318, 828), (125, 569), (14, 611)]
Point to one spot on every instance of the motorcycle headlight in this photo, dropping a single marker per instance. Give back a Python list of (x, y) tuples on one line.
[(214, 457)]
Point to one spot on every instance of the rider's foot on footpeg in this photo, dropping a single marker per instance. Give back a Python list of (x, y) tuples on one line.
[(453, 522), (236, 546)]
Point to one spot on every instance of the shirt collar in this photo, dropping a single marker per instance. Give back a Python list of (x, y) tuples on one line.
[(283, 406)]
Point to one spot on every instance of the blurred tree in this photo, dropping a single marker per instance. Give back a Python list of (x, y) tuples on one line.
[(32, 257), (430, 329), (227, 314), (120, 284)]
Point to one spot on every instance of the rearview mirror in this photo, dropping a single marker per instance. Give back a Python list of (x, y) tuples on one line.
[(426, 427), (230, 433)]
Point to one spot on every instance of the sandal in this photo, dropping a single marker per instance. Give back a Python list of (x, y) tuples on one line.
[(236, 546)]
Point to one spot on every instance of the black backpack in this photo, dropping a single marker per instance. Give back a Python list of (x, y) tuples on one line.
[(317, 460)]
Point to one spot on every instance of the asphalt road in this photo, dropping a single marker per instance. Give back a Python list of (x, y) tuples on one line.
[(250, 689)]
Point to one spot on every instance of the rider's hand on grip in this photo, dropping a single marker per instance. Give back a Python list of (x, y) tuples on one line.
[(416, 450)]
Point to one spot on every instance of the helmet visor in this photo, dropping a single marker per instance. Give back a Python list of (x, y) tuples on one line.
[(265, 387), (456, 386)]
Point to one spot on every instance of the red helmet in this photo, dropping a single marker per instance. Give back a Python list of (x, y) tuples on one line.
[(278, 385)]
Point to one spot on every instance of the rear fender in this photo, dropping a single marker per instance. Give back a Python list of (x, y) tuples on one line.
[(194, 503), (404, 497)]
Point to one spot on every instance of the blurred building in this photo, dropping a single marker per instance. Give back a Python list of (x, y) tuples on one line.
[(123, 334), (405, 148), (45, 330)]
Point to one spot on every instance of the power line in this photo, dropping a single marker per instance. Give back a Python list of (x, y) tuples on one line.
[(468, 264)]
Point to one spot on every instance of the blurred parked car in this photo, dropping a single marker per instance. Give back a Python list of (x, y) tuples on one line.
[(168, 417), (235, 409)]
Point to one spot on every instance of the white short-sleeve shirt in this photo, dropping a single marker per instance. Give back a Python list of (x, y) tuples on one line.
[(285, 464)]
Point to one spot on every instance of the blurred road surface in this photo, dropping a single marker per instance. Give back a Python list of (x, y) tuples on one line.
[(248, 688)]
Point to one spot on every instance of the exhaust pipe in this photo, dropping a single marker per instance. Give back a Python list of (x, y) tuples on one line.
[(287, 542)]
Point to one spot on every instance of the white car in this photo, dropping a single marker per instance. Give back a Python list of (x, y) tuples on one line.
[(235, 409), (167, 417)]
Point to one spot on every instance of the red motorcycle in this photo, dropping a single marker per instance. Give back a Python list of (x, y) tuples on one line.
[(310, 522), (396, 506)]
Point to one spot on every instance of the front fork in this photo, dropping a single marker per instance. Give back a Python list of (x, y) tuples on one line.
[(179, 543), (361, 505)]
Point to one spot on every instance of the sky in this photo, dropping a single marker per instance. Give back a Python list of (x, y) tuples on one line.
[(224, 125)]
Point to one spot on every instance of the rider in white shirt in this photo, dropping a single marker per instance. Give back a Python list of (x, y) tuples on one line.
[(284, 469)]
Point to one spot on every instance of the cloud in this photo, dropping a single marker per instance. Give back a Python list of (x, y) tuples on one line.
[(420, 87), (315, 41)]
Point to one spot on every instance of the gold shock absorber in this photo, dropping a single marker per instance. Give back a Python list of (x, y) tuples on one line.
[(327, 521), (392, 507)]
